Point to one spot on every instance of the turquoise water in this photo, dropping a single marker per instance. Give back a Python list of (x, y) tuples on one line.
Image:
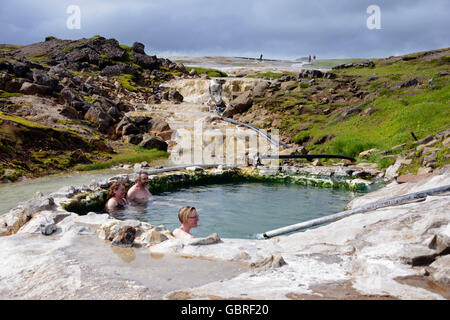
[(242, 210)]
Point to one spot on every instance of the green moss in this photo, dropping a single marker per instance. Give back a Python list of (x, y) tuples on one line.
[(271, 75), (85, 203), (67, 50), (125, 156), (5, 94), (90, 99), (209, 72), (126, 81), (40, 58)]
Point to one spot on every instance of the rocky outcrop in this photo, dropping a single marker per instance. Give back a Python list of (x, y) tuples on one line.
[(378, 255), (153, 142), (239, 105)]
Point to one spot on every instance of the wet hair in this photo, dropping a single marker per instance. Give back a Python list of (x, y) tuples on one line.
[(114, 187), (183, 213)]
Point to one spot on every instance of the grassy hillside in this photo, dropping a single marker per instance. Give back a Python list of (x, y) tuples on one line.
[(363, 107)]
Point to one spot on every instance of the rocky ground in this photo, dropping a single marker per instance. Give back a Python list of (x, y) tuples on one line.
[(398, 252), (63, 103), (392, 112)]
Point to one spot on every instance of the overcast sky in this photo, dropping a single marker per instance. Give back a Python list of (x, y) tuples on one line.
[(278, 29)]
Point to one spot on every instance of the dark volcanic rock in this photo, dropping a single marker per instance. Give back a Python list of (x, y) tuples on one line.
[(239, 105), (4, 78), (118, 69), (33, 88), (175, 96), (68, 96), (138, 47), (70, 112), (59, 71), (150, 142), (145, 61), (14, 85), (125, 237), (410, 83), (130, 128), (158, 124), (42, 78), (97, 115), (132, 138), (20, 69)]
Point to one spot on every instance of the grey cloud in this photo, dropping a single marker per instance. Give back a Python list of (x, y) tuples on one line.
[(278, 29)]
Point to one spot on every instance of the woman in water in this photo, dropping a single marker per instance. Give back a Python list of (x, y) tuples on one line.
[(116, 196), (188, 217)]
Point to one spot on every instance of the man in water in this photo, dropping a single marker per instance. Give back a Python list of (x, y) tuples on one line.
[(139, 192)]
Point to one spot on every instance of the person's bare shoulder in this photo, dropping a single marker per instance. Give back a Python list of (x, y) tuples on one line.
[(111, 204), (131, 191), (180, 234)]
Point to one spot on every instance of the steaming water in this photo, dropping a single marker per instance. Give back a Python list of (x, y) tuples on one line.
[(241, 210)]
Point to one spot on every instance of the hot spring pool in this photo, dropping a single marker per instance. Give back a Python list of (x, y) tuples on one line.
[(241, 210)]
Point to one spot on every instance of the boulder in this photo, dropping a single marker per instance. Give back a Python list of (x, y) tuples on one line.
[(410, 83), (151, 142), (260, 88), (175, 96), (41, 78), (59, 72), (101, 145), (132, 138), (239, 105), (125, 237), (109, 48), (118, 69), (430, 160), (19, 216), (78, 156), (130, 128), (4, 77), (68, 96), (165, 135), (33, 88), (145, 61), (138, 47), (287, 84), (20, 69), (70, 112), (13, 85), (97, 115), (426, 139), (274, 261), (121, 124), (347, 112), (158, 125), (82, 54), (367, 153)]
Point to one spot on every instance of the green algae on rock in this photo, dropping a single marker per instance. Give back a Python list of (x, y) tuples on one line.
[(94, 201)]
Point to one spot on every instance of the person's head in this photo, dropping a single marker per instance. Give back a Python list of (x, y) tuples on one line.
[(188, 216), (142, 179), (117, 189)]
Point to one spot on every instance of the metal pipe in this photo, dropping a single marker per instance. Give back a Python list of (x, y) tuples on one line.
[(371, 206), (308, 156), (260, 131)]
